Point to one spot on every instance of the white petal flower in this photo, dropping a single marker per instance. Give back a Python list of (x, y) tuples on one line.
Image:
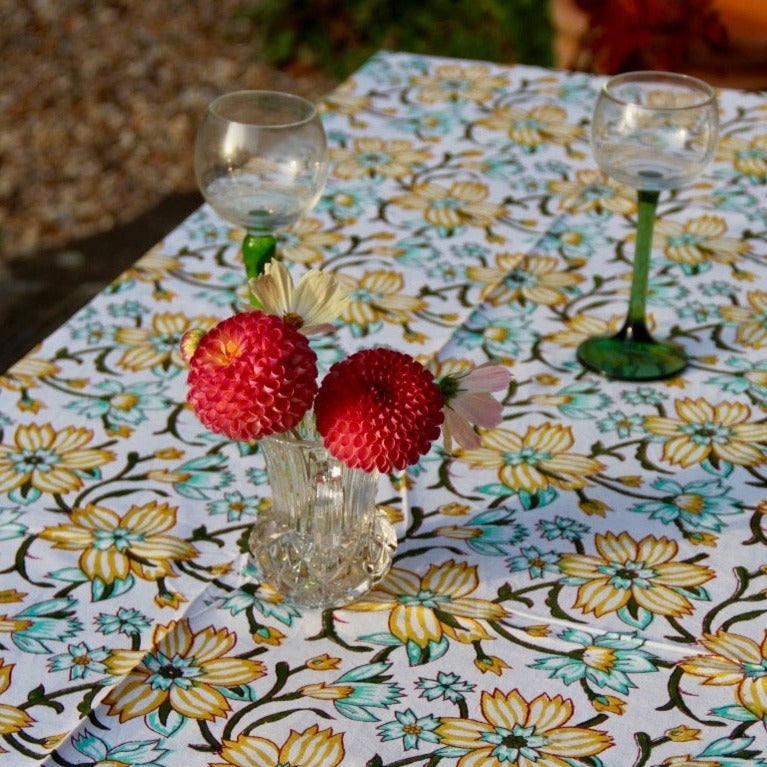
[(468, 403), (310, 306)]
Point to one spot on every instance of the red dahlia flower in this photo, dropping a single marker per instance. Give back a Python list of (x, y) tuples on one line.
[(252, 375), (378, 409)]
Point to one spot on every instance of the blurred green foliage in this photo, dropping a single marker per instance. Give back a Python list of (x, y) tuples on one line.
[(337, 36)]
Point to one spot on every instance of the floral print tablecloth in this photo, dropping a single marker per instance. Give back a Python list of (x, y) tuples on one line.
[(589, 587)]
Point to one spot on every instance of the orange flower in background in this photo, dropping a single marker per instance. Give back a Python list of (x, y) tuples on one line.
[(643, 571), (114, 546), (47, 460), (737, 661), (183, 668), (703, 431)]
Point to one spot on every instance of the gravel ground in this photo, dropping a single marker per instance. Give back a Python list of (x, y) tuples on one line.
[(99, 103)]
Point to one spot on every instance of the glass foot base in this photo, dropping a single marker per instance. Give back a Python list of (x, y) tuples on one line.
[(308, 572), (630, 360)]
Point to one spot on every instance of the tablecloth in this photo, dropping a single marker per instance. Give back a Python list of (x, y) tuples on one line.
[(586, 588)]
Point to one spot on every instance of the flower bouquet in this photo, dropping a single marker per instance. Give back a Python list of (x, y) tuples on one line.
[(253, 376)]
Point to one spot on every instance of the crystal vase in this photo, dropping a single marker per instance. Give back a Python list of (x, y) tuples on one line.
[(323, 542)]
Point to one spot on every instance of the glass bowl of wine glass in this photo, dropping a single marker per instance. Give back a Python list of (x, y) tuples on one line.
[(261, 163), (653, 131)]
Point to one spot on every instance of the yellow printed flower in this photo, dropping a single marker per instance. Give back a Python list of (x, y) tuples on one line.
[(748, 157), (304, 241), (378, 297), (12, 719), (535, 461), (737, 661), (114, 546), (376, 157), (158, 344), (697, 240), (583, 326), (345, 100), (752, 321), (624, 569), (521, 277), (703, 431), (463, 203), (153, 266), (183, 668), (311, 748), (49, 461), (592, 190), (534, 127), (521, 733), (27, 372), (456, 82), (424, 609)]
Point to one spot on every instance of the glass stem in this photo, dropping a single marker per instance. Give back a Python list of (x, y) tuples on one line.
[(258, 248), (635, 326)]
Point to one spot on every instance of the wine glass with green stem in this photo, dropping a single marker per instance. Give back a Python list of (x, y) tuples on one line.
[(261, 163), (654, 131)]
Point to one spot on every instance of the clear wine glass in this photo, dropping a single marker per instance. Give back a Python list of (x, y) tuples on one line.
[(653, 131), (261, 162)]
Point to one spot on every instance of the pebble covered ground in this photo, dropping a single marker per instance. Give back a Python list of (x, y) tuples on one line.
[(99, 104)]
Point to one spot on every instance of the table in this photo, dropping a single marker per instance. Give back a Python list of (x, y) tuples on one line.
[(588, 588)]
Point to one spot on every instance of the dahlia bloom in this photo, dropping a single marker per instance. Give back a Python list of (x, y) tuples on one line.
[(378, 409), (468, 401), (251, 375)]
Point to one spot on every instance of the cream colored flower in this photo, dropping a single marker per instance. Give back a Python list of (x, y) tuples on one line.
[(456, 82), (375, 157), (310, 306), (752, 320), (12, 719), (697, 240), (304, 241), (592, 190), (748, 157), (533, 127), (377, 296)]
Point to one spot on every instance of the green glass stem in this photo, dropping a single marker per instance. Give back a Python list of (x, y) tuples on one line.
[(258, 249), (632, 354), (635, 326)]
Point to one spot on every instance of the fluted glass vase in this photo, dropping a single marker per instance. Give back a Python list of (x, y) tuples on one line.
[(323, 542)]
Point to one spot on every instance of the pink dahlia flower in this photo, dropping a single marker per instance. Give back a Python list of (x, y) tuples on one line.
[(252, 375), (378, 409)]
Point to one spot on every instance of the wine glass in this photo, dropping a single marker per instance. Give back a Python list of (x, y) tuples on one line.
[(652, 131), (261, 162)]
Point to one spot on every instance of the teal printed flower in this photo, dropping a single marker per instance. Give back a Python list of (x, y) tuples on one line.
[(80, 660), (126, 621), (573, 239), (131, 753), (582, 400), (120, 403), (50, 621), (492, 532), (644, 395), (623, 425), (197, 478), (447, 685), (535, 561), (357, 691), (605, 660), (744, 376), (723, 752), (235, 505), (411, 728), (510, 336), (263, 599), (9, 527), (697, 504), (561, 527)]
